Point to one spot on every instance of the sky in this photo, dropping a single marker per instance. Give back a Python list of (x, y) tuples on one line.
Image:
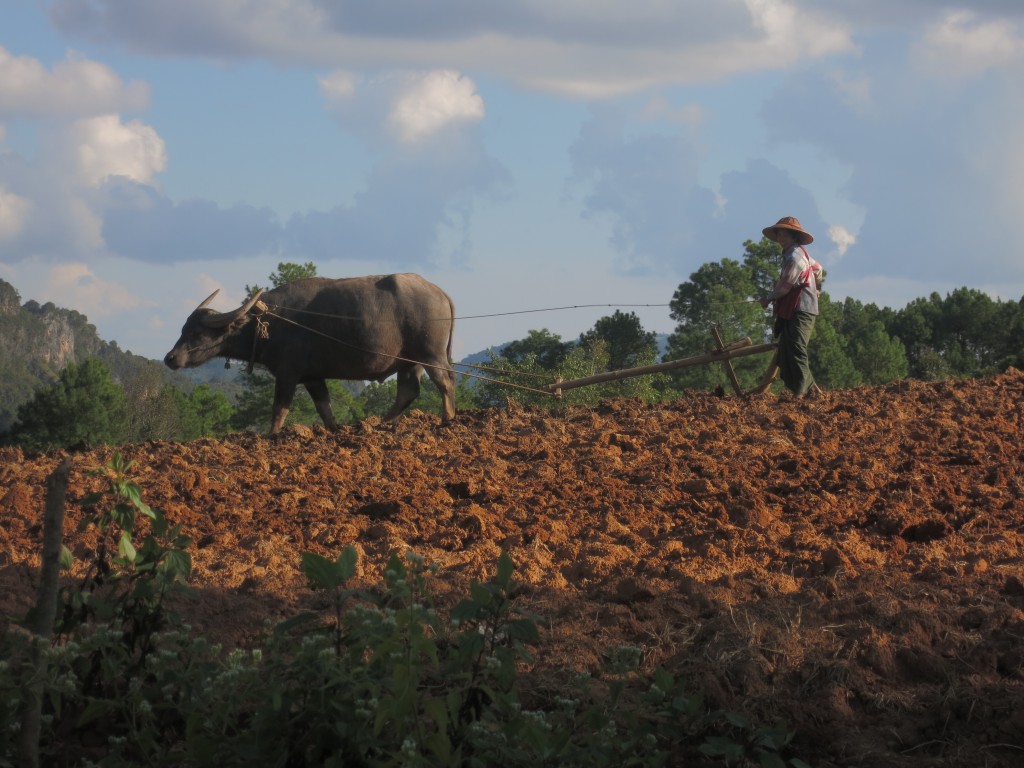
[(522, 154)]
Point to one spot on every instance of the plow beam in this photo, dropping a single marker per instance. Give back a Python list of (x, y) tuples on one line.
[(741, 348)]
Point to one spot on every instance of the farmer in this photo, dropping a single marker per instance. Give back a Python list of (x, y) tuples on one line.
[(795, 303)]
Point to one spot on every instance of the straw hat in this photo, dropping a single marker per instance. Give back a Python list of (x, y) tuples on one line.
[(803, 237)]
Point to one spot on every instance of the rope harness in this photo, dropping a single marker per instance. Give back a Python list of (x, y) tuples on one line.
[(262, 331), (508, 314)]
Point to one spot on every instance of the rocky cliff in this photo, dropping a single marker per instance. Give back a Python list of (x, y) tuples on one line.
[(37, 341), (10, 301)]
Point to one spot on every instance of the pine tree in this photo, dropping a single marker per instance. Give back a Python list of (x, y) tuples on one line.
[(211, 411), (718, 295), (629, 345), (83, 408)]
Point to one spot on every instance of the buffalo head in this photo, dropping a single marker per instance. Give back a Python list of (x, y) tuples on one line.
[(206, 333)]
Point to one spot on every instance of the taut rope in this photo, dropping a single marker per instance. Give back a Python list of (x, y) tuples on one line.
[(401, 359)]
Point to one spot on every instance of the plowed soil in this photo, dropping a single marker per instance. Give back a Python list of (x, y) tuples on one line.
[(851, 566)]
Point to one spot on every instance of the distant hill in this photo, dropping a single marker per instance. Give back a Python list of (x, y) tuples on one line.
[(37, 341), (484, 354)]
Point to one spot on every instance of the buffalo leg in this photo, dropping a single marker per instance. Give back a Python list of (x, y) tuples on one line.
[(322, 400), (408, 390), (284, 392), (444, 380)]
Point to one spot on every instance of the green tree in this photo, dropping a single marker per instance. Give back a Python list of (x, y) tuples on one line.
[(377, 398), (622, 340), (830, 361), (525, 363), (255, 402), (210, 410), (83, 408), (1011, 348), (287, 271), (718, 295), (155, 409), (877, 356), (763, 260), (542, 347), (523, 377), (595, 357), (629, 345), (345, 401), (967, 333)]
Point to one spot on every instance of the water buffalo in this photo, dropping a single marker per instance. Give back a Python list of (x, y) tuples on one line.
[(310, 330)]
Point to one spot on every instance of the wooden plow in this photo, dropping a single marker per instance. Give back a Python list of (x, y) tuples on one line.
[(723, 353)]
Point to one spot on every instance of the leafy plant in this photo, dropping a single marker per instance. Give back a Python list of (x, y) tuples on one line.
[(744, 743), (127, 578)]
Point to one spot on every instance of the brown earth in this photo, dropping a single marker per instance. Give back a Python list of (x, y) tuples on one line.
[(851, 566)]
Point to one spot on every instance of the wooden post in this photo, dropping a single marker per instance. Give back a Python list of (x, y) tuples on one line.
[(739, 348), (728, 363), (46, 609)]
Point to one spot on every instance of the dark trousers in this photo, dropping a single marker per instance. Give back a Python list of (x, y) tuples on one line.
[(794, 363)]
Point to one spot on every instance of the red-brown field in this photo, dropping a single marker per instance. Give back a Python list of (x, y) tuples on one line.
[(851, 566)]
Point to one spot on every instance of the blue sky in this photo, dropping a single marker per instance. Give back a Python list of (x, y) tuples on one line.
[(522, 155)]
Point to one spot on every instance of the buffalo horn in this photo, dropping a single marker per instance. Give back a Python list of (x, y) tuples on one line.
[(208, 299), (223, 319)]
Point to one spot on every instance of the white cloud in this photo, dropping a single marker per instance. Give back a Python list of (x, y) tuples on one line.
[(576, 48), (929, 153), (14, 212), (433, 101), (105, 147), (402, 106), (74, 87), (339, 85), (55, 202), (86, 226), (659, 108), (75, 285), (842, 237), (776, 18), (963, 45), (205, 284)]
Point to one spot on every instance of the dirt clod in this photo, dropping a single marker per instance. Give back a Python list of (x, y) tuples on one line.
[(852, 569)]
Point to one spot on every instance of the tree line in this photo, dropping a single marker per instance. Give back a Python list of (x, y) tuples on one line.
[(962, 335)]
